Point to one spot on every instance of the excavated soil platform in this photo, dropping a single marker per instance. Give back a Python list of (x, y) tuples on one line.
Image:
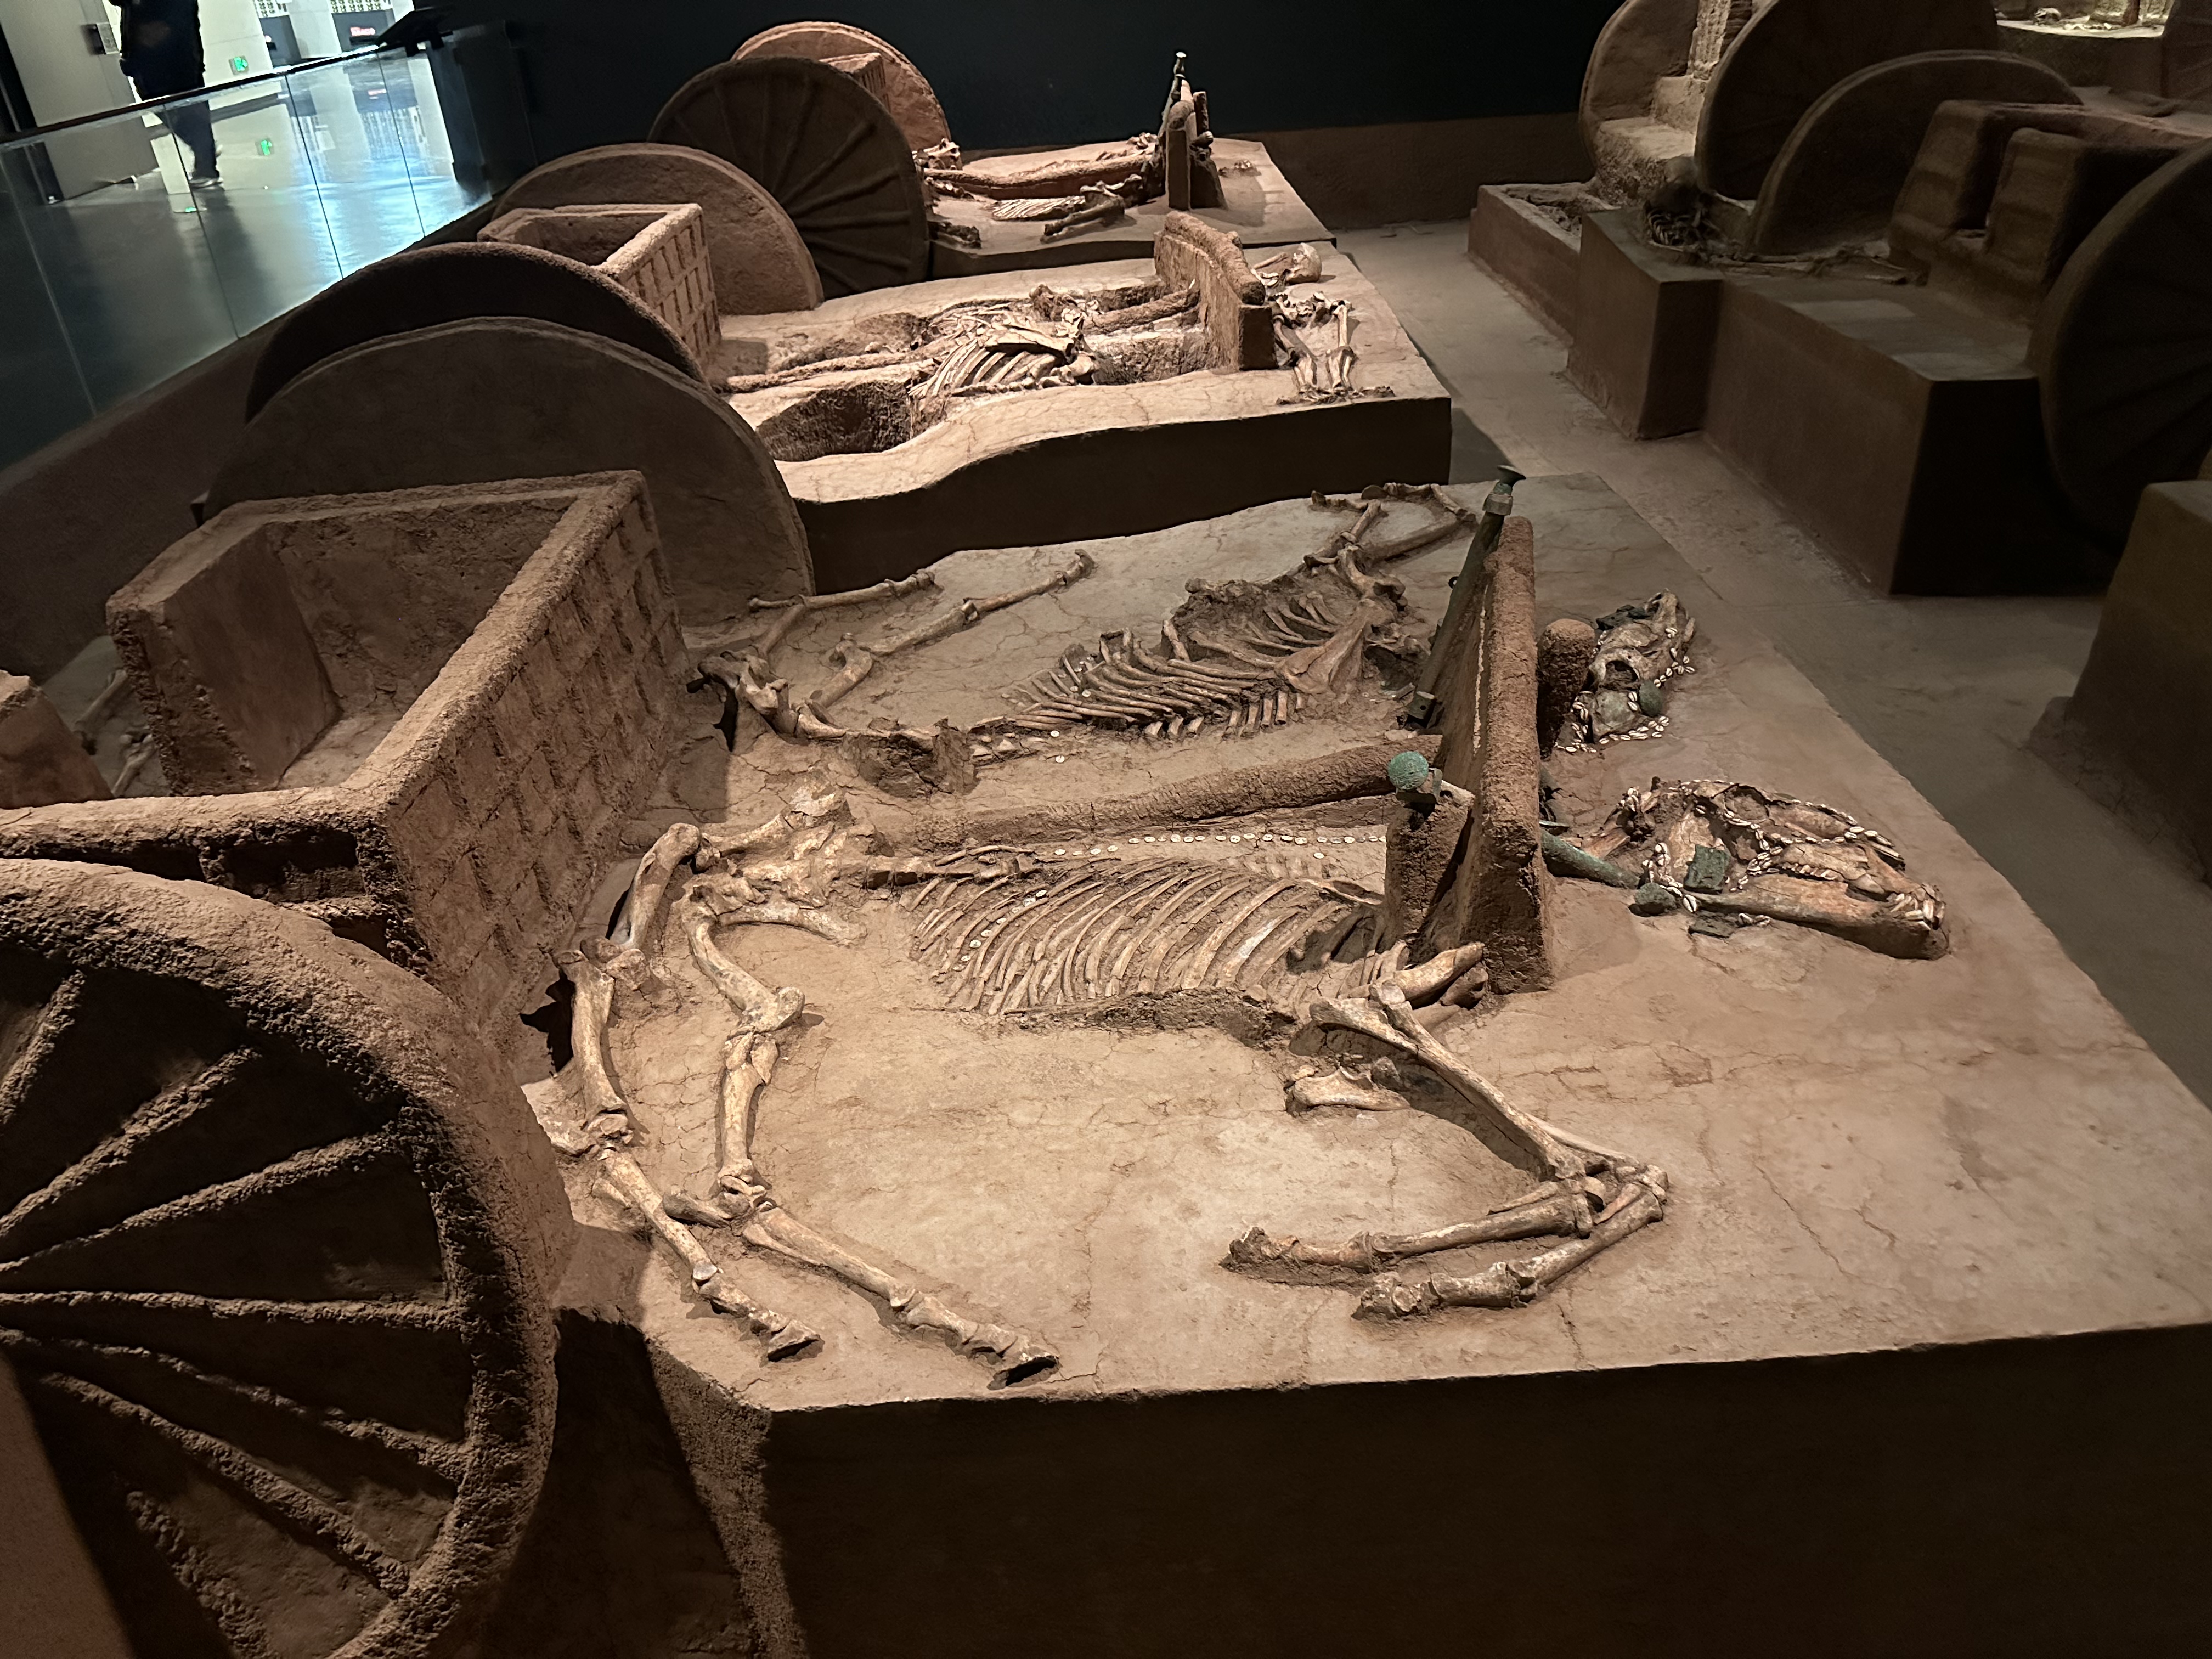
[(1258, 203), (1912, 1365), (1060, 463)]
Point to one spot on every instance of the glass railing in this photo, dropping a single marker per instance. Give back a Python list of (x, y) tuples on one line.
[(134, 245)]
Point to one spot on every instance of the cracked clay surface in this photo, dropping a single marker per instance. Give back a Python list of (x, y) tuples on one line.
[(1866, 1154)]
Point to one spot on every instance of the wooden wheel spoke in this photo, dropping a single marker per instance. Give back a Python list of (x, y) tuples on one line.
[(75, 1356), (2120, 345), (432, 1316), (813, 217), (854, 221), (822, 147), (790, 128), (300, 1510), (42, 1031), (796, 196), (846, 251), (172, 1109), (349, 1157), (199, 1576)]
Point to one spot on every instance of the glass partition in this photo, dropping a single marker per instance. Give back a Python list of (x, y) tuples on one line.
[(134, 245)]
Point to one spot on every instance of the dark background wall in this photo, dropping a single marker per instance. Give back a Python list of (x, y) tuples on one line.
[(1013, 73)]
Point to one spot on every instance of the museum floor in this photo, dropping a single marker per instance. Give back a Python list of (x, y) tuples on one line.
[(1947, 690)]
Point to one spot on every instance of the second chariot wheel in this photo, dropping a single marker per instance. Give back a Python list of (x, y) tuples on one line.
[(276, 1244), (906, 90), (827, 150), (1793, 51), (2123, 347)]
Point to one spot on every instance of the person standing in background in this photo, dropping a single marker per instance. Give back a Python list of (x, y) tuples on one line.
[(162, 54)]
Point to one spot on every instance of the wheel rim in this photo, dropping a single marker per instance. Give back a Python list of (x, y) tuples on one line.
[(2123, 348), (259, 1278), (1795, 50), (453, 283), (829, 153), (912, 99), (1837, 176), (1641, 42)]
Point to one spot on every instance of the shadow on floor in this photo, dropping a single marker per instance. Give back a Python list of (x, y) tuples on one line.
[(1475, 459), (621, 1560)]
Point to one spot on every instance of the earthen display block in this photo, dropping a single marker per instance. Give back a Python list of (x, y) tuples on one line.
[(494, 667), (1643, 329), (2124, 59), (1902, 429), (1259, 207), (1534, 252), (1934, 1260), (2142, 699), (886, 482), (657, 252), (41, 762)]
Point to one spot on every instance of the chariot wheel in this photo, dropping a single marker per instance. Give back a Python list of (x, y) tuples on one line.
[(721, 511), (1837, 176), (1795, 50), (2122, 348), (1642, 42), (906, 90), (450, 282), (752, 247), (275, 1253), (827, 150)]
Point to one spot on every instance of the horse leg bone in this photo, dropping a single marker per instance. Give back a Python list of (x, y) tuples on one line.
[(855, 663), (1011, 1355), (748, 1065), (1510, 1283), (759, 1009), (781, 912), (1464, 991), (1425, 981), (1385, 1016), (1344, 356), (648, 890), (718, 843), (1298, 1260), (796, 610), (784, 1337), (607, 1116), (1340, 1088)]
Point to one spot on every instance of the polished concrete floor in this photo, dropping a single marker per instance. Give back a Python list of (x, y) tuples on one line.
[(1947, 690), (106, 293)]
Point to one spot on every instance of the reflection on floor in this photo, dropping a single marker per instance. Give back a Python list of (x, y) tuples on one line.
[(321, 173), (1947, 690)]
